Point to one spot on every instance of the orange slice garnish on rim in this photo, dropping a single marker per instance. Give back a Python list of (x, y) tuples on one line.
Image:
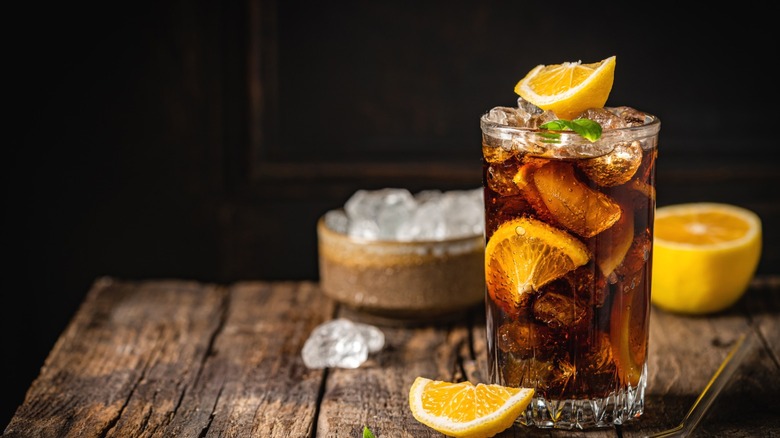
[(568, 88)]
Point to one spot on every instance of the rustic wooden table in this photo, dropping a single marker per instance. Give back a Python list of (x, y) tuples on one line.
[(186, 359)]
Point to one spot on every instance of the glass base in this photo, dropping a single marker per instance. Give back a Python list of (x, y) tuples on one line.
[(618, 408)]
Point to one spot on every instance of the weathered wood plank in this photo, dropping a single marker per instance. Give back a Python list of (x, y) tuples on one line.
[(376, 394), (164, 359), (763, 304), (749, 406), (684, 353), (123, 361), (254, 383)]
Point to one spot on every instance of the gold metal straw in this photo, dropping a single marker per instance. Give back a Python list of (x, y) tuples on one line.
[(711, 391)]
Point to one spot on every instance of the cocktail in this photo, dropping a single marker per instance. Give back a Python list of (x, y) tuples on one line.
[(569, 209)]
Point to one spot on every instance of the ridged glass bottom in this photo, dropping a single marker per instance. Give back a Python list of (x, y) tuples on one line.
[(618, 408)]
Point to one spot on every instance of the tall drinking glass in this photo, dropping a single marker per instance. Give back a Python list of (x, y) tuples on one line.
[(569, 234)]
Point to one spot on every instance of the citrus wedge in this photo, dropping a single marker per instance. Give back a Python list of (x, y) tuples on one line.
[(568, 88), (572, 203), (467, 410), (613, 244), (630, 313), (704, 256), (525, 254)]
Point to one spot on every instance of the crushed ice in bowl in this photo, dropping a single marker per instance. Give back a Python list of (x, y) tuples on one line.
[(397, 214)]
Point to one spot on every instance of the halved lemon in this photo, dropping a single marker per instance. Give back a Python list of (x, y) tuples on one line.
[(523, 255), (704, 256), (568, 88), (466, 410)]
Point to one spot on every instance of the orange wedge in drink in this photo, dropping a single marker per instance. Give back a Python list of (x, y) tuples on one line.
[(523, 255)]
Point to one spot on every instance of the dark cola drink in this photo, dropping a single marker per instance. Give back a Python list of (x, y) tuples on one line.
[(569, 232)]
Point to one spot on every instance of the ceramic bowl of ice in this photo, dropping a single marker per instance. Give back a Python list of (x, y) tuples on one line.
[(417, 279)]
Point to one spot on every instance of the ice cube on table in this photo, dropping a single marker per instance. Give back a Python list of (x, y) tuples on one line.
[(341, 343)]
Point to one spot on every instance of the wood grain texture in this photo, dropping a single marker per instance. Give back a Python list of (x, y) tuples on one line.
[(124, 360), (376, 394), (173, 358), (255, 383), (163, 359)]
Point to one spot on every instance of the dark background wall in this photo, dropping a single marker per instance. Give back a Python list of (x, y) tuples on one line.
[(202, 140)]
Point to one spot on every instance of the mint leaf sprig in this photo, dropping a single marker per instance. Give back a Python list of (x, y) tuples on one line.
[(585, 127)]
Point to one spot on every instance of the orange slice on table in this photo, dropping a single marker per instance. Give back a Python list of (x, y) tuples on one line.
[(568, 88), (523, 255), (704, 256), (467, 410)]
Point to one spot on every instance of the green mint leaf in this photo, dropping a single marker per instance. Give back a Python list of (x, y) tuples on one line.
[(367, 432), (587, 128), (550, 137), (558, 125)]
